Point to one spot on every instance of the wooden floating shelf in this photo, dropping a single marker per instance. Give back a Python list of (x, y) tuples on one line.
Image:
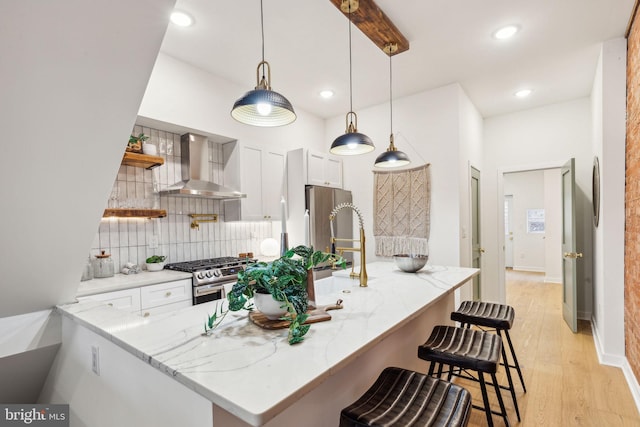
[(141, 160), (134, 213)]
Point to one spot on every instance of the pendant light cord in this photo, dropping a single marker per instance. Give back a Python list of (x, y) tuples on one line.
[(262, 29), (390, 93), (350, 66)]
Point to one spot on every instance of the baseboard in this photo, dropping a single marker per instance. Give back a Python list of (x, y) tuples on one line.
[(620, 362), (531, 269), (548, 279), (585, 315)]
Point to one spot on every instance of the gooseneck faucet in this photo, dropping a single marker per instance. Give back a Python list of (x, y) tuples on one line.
[(363, 258)]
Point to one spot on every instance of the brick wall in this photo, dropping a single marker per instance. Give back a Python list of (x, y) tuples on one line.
[(632, 201)]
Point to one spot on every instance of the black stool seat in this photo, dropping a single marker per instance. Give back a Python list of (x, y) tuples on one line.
[(500, 318), (401, 397), (464, 348), (487, 314)]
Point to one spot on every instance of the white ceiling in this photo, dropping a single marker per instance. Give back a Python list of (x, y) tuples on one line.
[(306, 44)]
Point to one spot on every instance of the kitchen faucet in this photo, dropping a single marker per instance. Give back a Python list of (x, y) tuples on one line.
[(363, 269)]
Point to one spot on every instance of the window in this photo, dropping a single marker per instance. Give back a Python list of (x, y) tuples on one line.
[(535, 220)]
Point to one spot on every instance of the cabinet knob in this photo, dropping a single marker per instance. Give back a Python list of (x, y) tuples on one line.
[(168, 294), (146, 314), (110, 304)]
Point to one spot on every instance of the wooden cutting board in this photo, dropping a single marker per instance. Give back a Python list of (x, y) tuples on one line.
[(316, 314)]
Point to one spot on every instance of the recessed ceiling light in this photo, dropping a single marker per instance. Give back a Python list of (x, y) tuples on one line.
[(506, 32), (523, 93), (326, 94), (181, 19)]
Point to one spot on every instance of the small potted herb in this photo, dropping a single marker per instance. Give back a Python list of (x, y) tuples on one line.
[(135, 143), (155, 262)]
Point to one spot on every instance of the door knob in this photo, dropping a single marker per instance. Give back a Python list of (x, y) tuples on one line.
[(573, 255)]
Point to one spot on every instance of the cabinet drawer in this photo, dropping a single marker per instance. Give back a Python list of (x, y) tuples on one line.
[(165, 293), (127, 299), (154, 311)]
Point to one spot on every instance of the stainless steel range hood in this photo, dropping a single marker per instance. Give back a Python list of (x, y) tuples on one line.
[(195, 172)]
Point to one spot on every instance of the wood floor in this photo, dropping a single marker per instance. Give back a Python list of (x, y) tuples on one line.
[(566, 386)]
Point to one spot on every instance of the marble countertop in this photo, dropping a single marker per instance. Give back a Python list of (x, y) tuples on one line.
[(234, 368), (127, 281)]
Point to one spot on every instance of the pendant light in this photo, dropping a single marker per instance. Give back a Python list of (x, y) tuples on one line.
[(262, 106), (352, 142), (392, 158)]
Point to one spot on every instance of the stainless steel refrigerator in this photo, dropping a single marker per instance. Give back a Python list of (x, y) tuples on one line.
[(320, 201)]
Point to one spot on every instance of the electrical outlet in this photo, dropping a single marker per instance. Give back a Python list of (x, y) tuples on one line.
[(153, 242), (95, 359)]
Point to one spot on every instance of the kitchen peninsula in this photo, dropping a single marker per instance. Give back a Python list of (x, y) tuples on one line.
[(242, 374)]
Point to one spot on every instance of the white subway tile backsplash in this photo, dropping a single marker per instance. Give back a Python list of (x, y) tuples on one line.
[(128, 240)]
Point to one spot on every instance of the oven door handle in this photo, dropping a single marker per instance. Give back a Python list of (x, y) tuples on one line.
[(202, 290)]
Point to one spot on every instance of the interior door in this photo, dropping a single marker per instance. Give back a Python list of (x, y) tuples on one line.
[(476, 247), (569, 254), (508, 231)]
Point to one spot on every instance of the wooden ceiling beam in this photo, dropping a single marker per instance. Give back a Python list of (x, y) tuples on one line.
[(373, 22)]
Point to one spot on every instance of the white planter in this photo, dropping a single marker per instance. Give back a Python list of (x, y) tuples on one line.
[(155, 266), (266, 305)]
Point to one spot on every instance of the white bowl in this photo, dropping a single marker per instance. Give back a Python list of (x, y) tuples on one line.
[(410, 263), (155, 266)]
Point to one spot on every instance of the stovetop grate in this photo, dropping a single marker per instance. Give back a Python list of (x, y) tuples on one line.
[(205, 264)]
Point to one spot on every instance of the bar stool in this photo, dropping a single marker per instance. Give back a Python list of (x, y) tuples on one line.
[(401, 397), (498, 317), (467, 350)]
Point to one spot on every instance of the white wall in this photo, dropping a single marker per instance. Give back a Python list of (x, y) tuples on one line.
[(427, 128), (69, 100), (609, 111), (553, 235), (538, 138), (538, 189), (527, 189)]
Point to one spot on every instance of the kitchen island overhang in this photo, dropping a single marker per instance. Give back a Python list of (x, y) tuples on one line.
[(253, 373)]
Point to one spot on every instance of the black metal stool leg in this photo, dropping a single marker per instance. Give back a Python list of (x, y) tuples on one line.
[(515, 360), (509, 379), (485, 399), (500, 401)]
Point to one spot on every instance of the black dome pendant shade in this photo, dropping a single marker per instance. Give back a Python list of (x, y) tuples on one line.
[(262, 106), (392, 158), (352, 142)]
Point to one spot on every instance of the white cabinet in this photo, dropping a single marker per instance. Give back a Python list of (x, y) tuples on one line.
[(313, 168), (324, 169), (259, 172), (165, 297), (149, 300), (126, 299)]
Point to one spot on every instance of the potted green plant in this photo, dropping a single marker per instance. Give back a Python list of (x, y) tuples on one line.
[(135, 143), (285, 281), (155, 262)]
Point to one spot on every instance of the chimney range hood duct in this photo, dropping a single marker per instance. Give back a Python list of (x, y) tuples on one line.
[(195, 172)]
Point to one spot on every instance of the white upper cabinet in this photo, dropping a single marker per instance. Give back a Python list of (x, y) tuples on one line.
[(321, 169), (259, 172)]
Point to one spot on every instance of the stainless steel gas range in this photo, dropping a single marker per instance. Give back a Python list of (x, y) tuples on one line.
[(211, 275)]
